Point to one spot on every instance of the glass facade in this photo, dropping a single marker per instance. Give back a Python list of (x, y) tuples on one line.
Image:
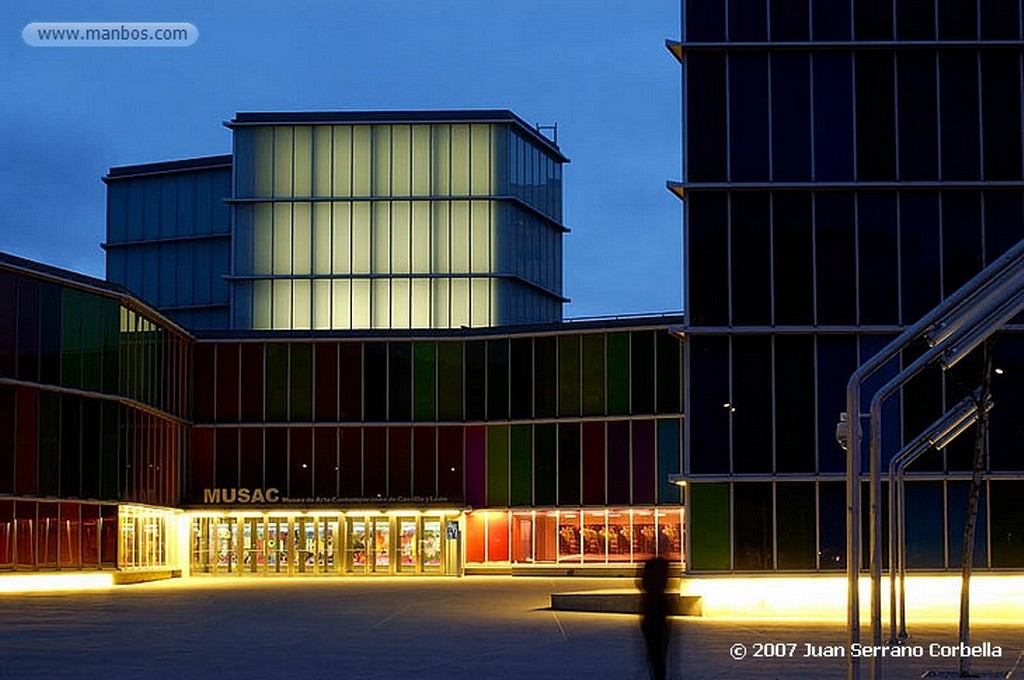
[(833, 195), (411, 225)]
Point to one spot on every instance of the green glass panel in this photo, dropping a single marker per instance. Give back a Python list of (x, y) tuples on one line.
[(50, 313), (709, 521), (276, 396), (668, 460), (302, 382), (593, 374), (92, 342), (569, 375), (497, 466), (424, 382), (796, 515), (49, 443), (669, 373), (545, 458), (111, 320), (108, 458), (618, 374), (522, 465), (70, 338), (449, 380)]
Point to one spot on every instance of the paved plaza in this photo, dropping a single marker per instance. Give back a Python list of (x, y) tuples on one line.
[(480, 627)]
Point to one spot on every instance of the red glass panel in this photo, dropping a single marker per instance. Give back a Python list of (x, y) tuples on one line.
[(275, 458), (594, 536), (644, 535), (28, 440), (399, 462), (25, 526), (522, 537), (7, 445), (350, 378), (476, 480), (48, 527), (6, 533), (476, 532), (569, 536), (497, 536), (643, 461), (203, 383), (375, 462), (546, 541), (227, 457), (251, 382), (449, 463), (201, 468), (251, 454), (70, 535), (424, 463), (618, 535), (350, 462), (108, 535), (227, 382), (90, 535), (325, 464), (300, 462), (593, 463), (325, 379), (618, 462)]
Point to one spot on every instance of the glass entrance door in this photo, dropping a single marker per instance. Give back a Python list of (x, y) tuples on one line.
[(381, 561), (355, 548), (305, 545), (408, 553), (277, 545), (254, 544), (431, 543)]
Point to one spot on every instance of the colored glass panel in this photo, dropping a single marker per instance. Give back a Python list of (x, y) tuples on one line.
[(593, 374), (593, 473), (227, 382), (7, 440), (449, 462), (618, 373), (90, 535), (476, 480), (251, 382), (424, 463), (642, 371), (476, 380), (545, 378), (202, 399), (449, 380), (521, 374), (350, 462), (546, 463), (69, 533), (399, 462), (92, 343), (227, 457), (275, 458), (350, 381), (751, 405), (710, 523), (424, 381), (795, 523), (201, 463), (108, 463), (752, 526), (670, 373), (325, 379), (49, 333), (28, 329), (669, 460), (301, 381), (8, 325), (568, 464), (325, 462), (476, 535), (497, 465), (568, 375), (618, 462), (643, 461), (399, 381), (111, 311), (29, 426), (709, 406), (497, 379), (375, 462), (497, 536), (522, 465), (47, 530), (251, 458), (92, 442), (276, 382)]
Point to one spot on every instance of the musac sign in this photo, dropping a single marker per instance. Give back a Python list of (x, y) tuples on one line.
[(240, 495)]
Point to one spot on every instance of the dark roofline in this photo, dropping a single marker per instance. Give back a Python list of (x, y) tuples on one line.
[(183, 165), (245, 119), (20, 265), (634, 323)]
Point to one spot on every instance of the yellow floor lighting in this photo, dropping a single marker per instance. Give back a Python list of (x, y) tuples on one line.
[(35, 583)]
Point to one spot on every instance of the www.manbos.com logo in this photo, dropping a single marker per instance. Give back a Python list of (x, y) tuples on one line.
[(109, 34)]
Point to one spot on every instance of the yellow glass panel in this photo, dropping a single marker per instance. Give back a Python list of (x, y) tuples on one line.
[(381, 237), (460, 160), (480, 310), (321, 304), (480, 159), (421, 303), (282, 304), (302, 238), (460, 237), (420, 160), (361, 160), (322, 160), (322, 238), (400, 303), (420, 246), (440, 152), (341, 308), (262, 238), (282, 161), (460, 303), (381, 160), (342, 167), (381, 309), (303, 161), (261, 298), (441, 233), (341, 238), (361, 238), (441, 303), (263, 162), (401, 238), (480, 236), (301, 304), (401, 160), (361, 303), (282, 238)]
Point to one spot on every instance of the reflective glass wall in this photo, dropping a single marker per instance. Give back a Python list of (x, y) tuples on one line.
[(394, 226)]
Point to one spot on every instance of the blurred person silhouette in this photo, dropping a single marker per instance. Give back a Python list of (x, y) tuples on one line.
[(654, 615)]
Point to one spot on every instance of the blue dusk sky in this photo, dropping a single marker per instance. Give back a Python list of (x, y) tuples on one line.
[(598, 69)]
